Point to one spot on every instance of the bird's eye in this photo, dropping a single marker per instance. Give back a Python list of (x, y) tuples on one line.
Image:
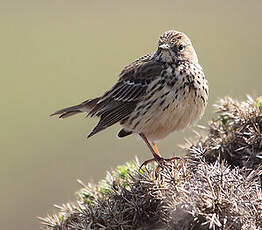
[(180, 47)]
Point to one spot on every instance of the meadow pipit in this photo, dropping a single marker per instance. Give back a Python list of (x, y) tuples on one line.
[(155, 95)]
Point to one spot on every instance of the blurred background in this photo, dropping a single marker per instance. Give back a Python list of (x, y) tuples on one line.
[(56, 53)]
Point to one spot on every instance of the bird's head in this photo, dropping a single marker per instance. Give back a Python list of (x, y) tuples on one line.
[(174, 46)]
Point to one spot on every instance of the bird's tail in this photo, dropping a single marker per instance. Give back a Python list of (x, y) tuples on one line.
[(85, 106)]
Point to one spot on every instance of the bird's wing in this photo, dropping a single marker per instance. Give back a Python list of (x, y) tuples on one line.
[(117, 103)]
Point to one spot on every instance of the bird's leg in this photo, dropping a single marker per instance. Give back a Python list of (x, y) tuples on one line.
[(153, 149), (155, 153)]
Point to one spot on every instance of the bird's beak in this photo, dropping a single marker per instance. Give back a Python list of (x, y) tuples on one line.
[(164, 47)]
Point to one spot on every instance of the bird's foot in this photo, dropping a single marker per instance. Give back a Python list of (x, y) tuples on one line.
[(160, 161)]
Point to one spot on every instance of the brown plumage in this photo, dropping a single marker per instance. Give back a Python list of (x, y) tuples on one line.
[(155, 95)]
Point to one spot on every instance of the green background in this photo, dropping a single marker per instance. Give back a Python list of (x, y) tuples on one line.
[(56, 53)]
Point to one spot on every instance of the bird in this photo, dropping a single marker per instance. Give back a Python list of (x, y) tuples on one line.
[(157, 94)]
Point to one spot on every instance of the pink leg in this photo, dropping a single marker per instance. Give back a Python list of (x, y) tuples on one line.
[(155, 153)]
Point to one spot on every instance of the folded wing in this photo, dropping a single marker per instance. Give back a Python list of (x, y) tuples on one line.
[(121, 100)]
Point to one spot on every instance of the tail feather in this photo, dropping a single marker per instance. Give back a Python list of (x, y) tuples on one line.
[(85, 106)]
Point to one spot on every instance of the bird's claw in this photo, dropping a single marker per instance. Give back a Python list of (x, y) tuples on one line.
[(160, 161)]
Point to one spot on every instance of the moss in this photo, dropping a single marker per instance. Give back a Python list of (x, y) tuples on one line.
[(216, 186)]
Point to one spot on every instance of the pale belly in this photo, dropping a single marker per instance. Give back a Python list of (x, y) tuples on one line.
[(176, 113)]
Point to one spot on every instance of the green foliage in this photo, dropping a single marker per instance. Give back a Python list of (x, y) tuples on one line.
[(117, 178), (258, 102), (86, 196)]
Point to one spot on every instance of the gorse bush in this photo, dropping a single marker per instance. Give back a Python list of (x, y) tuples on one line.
[(217, 185)]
